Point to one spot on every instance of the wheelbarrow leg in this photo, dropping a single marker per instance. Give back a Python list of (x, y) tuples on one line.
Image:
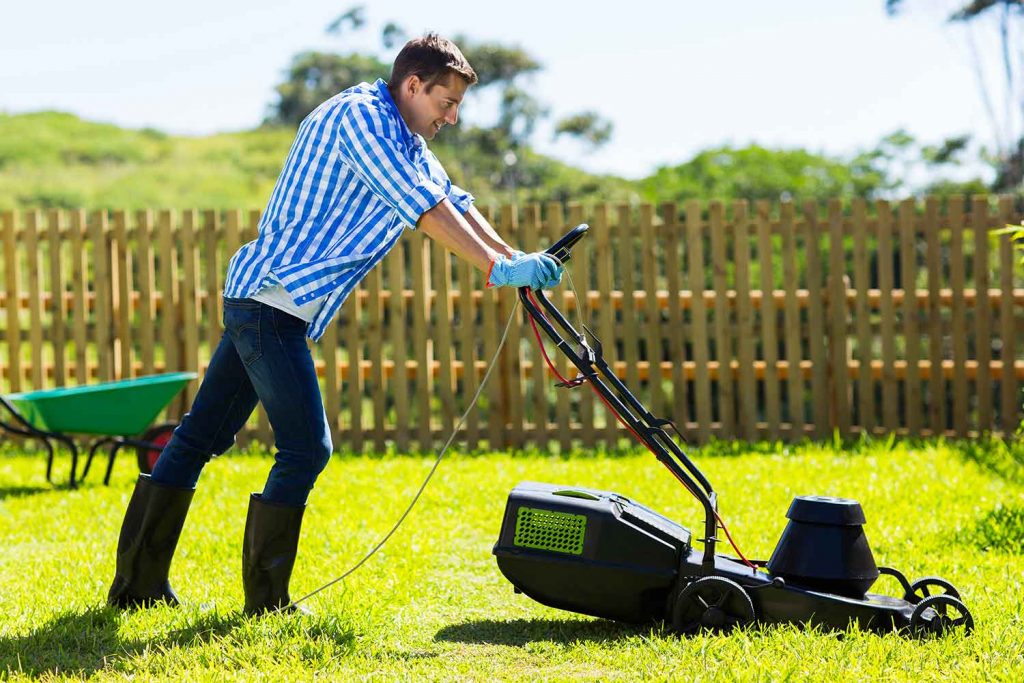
[(92, 451), (49, 459), (110, 462), (74, 462), (67, 441)]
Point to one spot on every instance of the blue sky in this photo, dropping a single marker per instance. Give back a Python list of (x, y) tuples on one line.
[(674, 77)]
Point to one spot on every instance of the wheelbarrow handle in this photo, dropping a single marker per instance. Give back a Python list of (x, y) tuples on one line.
[(561, 249)]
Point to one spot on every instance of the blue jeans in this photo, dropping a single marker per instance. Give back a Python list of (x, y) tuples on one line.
[(261, 357)]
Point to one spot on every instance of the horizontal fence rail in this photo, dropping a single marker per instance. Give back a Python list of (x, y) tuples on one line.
[(739, 321)]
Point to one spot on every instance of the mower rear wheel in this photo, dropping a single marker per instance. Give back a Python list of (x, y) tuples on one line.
[(158, 436), (946, 613), (712, 603), (928, 586)]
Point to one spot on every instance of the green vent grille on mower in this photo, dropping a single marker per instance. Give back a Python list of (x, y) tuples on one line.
[(560, 532)]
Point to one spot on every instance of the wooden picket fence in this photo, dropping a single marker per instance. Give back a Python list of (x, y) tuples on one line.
[(763, 321)]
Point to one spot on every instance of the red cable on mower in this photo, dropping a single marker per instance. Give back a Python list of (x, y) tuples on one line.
[(579, 380)]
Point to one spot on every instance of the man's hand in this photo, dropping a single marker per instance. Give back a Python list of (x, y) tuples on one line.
[(536, 271)]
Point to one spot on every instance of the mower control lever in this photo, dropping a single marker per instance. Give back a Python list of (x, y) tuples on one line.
[(561, 249)]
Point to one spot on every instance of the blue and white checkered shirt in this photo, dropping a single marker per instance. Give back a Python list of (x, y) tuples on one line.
[(354, 177)]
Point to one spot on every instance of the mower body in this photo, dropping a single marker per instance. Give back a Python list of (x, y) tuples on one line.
[(600, 553), (590, 551)]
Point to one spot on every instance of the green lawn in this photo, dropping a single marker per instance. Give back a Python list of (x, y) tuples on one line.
[(433, 605)]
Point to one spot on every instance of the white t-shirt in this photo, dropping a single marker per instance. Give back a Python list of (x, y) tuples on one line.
[(273, 293)]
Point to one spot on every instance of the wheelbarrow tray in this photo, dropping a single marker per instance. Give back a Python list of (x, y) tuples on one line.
[(122, 408)]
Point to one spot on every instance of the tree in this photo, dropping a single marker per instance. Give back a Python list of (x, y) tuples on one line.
[(1006, 118), (496, 155), (316, 76), (755, 172), (911, 167), (587, 126)]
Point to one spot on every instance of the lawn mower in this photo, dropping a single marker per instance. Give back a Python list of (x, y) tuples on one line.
[(600, 553)]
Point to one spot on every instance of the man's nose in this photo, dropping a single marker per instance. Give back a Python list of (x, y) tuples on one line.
[(453, 116)]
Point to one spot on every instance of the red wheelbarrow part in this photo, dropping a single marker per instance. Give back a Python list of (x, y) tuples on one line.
[(158, 436)]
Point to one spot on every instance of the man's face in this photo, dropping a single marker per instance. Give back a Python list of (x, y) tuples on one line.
[(427, 112)]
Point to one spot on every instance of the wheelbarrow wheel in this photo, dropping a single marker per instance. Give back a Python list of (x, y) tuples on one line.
[(158, 437)]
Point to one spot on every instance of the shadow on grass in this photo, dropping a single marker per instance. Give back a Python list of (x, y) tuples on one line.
[(1001, 529), (81, 643), (1005, 459), (519, 632), (23, 491), (84, 642)]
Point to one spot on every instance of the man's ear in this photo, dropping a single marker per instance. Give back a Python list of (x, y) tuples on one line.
[(412, 85)]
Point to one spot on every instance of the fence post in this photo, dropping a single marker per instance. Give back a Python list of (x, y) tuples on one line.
[(58, 308), (723, 319), (80, 300), (837, 334), (769, 322), (147, 317), (890, 388), (794, 355), (908, 268), (121, 274), (189, 301), (11, 271), (980, 223), (35, 296), (695, 237), (862, 316), (1010, 393), (419, 262), (102, 288), (936, 380), (747, 388), (959, 332)]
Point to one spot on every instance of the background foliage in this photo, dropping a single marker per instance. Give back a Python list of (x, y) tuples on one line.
[(51, 159)]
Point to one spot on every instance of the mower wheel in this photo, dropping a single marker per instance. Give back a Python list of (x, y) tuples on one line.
[(711, 603), (937, 614), (928, 586), (158, 436)]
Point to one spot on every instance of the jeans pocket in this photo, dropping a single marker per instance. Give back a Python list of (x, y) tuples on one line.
[(243, 324)]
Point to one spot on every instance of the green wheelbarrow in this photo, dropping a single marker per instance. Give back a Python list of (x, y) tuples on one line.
[(119, 413)]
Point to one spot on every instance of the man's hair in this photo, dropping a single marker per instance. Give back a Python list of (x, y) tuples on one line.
[(431, 58)]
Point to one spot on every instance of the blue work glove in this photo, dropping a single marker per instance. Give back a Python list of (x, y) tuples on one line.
[(536, 271)]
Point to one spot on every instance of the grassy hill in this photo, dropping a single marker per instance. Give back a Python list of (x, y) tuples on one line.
[(57, 160)]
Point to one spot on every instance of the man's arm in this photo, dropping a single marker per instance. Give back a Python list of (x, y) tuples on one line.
[(487, 233), (445, 224), (457, 233)]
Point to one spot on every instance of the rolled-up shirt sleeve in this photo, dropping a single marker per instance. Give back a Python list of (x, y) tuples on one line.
[(460, 198), (456, 195), (371, 147)]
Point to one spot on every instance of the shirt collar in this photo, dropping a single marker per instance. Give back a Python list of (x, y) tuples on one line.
[(413, 140)]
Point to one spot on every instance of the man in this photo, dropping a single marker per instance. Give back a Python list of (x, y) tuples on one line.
[(357, 175)]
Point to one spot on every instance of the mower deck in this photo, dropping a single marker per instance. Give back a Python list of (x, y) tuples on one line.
[(600, 553)]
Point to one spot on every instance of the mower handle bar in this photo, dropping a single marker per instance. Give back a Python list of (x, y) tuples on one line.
[(590, 362), (561, 249)]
